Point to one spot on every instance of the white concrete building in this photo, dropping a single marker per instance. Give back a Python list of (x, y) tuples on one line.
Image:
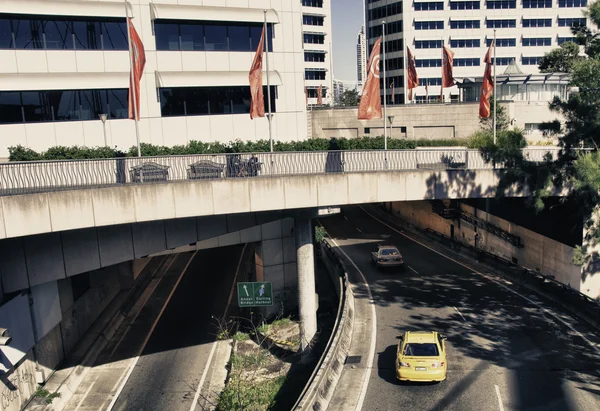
[(318, 63), (361, 59), (65, 62), (525, 30)]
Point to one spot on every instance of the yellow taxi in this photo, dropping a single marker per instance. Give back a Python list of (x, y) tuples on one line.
[(421, 356)]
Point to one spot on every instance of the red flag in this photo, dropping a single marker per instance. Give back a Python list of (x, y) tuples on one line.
[(138, 60), (412, 77), (370, 101), (257, 98), (487, 86), (447, 65), (320, 95)]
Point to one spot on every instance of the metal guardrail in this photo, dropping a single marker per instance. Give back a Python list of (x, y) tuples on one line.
[(45, 176)]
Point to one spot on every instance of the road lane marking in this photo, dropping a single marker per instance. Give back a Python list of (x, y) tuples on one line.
[(358, 229), (545, 311), (413, 270), (137, 357), (459, 313), (499, 398), (85, 394), (201, 383), (371, 357)]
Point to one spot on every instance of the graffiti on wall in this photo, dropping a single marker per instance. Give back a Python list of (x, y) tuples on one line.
[(17, 387)]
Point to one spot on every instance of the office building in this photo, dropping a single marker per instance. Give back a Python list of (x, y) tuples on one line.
[(361, 59), (65, 62), (316, 31), (525, 30)]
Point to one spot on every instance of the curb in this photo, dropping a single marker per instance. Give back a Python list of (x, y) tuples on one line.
[(581, 306), (69, 385), (320, 387)]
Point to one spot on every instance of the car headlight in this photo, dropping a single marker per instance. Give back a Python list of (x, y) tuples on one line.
[(404, 364)]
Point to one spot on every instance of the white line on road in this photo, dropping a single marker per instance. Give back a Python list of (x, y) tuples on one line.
[(85, 394), (371, 357), (459, 313), (137, 357), (565, 323), (358, 229), (499, 398), (412, 269)]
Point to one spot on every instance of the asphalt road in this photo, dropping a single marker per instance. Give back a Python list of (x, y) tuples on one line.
[(170, 367), (504, 351)]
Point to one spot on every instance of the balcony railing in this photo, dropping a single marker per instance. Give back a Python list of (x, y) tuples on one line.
[(45, 176)]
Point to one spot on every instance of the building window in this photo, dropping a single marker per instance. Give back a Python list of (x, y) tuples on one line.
[(202, 101), (312, 20), (428, 62), (502, 61), (429, 25), (537, 4), (465, 24), (367, 130), (465, 5), (537, 41), (537, 22), (502, 42), (465, 43), (501, 4), (572, 3), (434, 81), (501, 24), (530, 61), (467, 62), (562, 40), (428, 44), (311, 56), (385, 11), (572, 22), (430, 5), (314, 92), (314, 38), (394, 63), (209, 36), (394, 45), (314, 74), (312, 3), (64, 33), (61, 105), (390, 28)]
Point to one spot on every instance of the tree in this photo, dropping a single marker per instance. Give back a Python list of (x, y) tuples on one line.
[(349, 98), (560, 60), (502, 121)]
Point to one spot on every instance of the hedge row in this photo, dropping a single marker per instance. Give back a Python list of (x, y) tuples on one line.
[(20, 153)]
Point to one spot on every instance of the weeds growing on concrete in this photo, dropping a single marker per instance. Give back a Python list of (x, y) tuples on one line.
[(46, 395)]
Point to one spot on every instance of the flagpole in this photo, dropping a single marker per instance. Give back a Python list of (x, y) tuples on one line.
[(132, 82), (495, 91), (269, 116), (384, 94)]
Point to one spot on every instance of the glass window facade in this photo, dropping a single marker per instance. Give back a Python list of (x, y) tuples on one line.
[(467, 62), (502, 23), (573, 21), (428, 62), (209, 36), (465, 5), (465, 24), (390, 28), (537, 22), (536, 41), (62, 105), (428, 44), (537, 4), (313, 20), (312, 3), (572, 3), (465, 43), (501, 4), (314, 74), (202, 101), (530, 61), (64, 33), (429, 25), (562, 40), (502, 42), (430, 5), (435, 81), (503, 61), (385, 11), (314, 38), (313, 56)]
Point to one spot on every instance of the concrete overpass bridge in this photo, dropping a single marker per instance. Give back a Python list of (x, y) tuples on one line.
[(59, 219)]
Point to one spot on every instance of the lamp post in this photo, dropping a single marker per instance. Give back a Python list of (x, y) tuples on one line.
[(391, 119), (103, 119)]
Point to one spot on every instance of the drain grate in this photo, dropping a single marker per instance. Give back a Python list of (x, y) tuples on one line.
[(353, 359)]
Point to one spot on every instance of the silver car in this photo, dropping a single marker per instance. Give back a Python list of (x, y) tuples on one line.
[(387, 256)]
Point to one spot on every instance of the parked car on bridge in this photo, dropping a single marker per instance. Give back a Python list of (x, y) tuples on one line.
[(421, 356), (387, 256)]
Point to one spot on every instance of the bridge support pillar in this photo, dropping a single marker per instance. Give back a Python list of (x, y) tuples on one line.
[(306, 280)]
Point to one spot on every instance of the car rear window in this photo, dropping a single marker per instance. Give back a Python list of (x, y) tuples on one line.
[(421, 350), (388, 251)]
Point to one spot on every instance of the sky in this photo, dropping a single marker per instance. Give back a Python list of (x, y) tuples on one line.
[(346, 20)]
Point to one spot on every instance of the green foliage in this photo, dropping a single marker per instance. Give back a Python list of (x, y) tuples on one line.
[(443, 142), (349, 98), (240, 336), (480, 139), (320, 233), (282, 322), (46, 395), (250, 395), (20, 153), (578, 256), (561, 59)]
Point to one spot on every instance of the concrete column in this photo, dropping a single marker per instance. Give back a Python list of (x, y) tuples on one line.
[(306, 280)]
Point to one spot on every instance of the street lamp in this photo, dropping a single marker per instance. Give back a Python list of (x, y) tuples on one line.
[(391, 118), (103, 119)]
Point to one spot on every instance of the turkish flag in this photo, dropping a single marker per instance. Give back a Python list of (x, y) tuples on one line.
[(257, 102), (487, 87), (370, 101), (447, 66), (412, 77), (138, 60)]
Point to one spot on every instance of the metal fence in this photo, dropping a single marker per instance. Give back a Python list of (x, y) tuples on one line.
[(44, 176)]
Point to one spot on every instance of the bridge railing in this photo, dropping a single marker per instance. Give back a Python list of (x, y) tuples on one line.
[(43, 176)]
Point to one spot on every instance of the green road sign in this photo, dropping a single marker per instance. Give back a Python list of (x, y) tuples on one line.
[(255, 294)]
